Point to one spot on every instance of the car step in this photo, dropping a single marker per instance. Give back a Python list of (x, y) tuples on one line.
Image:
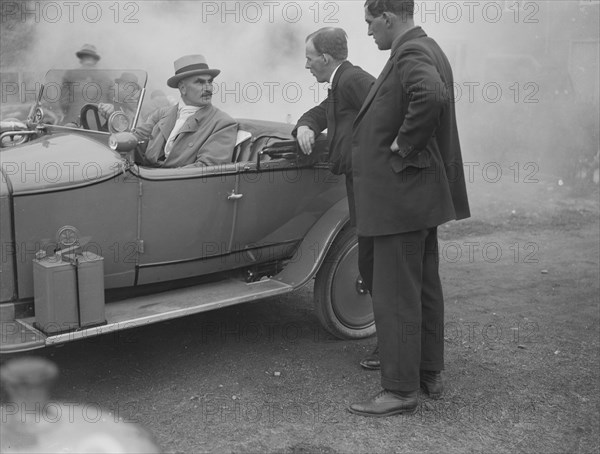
[(20, 335)]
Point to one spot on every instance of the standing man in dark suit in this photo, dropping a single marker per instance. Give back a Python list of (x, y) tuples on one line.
[(408, 179), (326, 54)]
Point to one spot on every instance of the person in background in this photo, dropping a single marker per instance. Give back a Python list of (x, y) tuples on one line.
[(158, 99), (127, 92), (84, 85)]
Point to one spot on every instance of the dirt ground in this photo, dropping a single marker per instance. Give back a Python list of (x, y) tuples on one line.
[(522, 340)]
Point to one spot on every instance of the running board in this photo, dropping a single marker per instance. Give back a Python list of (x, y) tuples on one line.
[(20, 335)]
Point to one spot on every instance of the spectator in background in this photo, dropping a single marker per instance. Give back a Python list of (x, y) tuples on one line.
[(83, 85), (127, 92)]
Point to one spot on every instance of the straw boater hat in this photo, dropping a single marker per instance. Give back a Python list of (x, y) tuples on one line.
[(190, 65), (89, 50)]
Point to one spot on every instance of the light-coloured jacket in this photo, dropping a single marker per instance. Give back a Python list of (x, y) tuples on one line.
[(206, 138)]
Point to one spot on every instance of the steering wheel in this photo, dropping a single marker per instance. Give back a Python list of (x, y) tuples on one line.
[(102, 126)]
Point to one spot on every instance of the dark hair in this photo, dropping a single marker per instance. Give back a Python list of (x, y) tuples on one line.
[(330, 40), (398, 7)]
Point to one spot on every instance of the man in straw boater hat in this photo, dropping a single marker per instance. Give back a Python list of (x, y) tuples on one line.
[(193, 132)]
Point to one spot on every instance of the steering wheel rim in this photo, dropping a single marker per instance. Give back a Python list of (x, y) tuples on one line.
[(94, 108)]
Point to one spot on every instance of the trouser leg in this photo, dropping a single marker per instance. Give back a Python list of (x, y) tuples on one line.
[(397, 289), (365, 261), (365, 244), (432, 308)]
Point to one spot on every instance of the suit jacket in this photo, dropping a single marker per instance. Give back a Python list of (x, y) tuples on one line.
[(412, 101), (337, 112), (206, 138)]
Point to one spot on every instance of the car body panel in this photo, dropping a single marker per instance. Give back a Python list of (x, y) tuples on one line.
[(108, 226), (58, 162), (7, 261), (173, 241), (184, 219), (20, 335), (281, 203)]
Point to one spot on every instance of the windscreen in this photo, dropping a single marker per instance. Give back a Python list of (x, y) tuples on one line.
[(67, 91)]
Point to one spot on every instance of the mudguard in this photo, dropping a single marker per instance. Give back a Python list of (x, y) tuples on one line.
[(310, 254)]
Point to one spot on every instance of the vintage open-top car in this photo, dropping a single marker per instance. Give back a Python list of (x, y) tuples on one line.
[(168, 242)]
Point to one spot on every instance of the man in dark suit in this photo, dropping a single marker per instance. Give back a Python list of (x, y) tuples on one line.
[(408, 179), (326, 53)]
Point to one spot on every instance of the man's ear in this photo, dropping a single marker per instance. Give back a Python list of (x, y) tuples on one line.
[(389, 18)]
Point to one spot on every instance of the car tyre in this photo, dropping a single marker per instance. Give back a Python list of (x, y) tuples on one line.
[(342, 305)]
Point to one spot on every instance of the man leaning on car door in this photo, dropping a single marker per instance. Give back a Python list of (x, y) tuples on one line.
[(349, 85)]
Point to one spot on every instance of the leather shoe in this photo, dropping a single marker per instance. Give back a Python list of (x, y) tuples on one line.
[(371, 362), (387, 403), (432, 384)]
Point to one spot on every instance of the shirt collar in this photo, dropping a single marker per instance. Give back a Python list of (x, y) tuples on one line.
[(330, 82), (182, 105), (398, 38)]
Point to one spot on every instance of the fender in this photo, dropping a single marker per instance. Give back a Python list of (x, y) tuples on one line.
[(312, 251)]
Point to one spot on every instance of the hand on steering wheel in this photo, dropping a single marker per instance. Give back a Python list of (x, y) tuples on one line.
[(102, 126), (106, 109)]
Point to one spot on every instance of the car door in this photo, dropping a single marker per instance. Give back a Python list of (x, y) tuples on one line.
[(186, 219), (280, 200)]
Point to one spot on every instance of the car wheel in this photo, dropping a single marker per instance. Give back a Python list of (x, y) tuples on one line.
[(342, 304)]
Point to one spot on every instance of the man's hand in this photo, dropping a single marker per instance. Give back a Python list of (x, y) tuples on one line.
[(105, 109), (306, 139), (394, 146)]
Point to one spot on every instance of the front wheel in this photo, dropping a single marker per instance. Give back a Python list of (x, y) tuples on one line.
[(343, 306)]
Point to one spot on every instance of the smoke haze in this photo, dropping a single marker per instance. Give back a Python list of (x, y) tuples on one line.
[(526, 72)]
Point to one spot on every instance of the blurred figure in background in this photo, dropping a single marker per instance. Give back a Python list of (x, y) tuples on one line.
[(31, 422), (158, 99), (88, 56), (127, 92), (83, 85)]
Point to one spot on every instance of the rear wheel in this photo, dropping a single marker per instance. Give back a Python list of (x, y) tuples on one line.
[(342, 303)]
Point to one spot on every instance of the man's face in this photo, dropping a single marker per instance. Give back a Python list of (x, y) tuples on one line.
[(378, 29), (315, 62), (197, 90), (87, 61)]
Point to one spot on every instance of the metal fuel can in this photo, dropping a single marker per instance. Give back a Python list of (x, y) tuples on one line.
[(68, 292)]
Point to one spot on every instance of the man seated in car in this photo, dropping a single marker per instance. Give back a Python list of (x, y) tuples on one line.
[(193, 132)]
